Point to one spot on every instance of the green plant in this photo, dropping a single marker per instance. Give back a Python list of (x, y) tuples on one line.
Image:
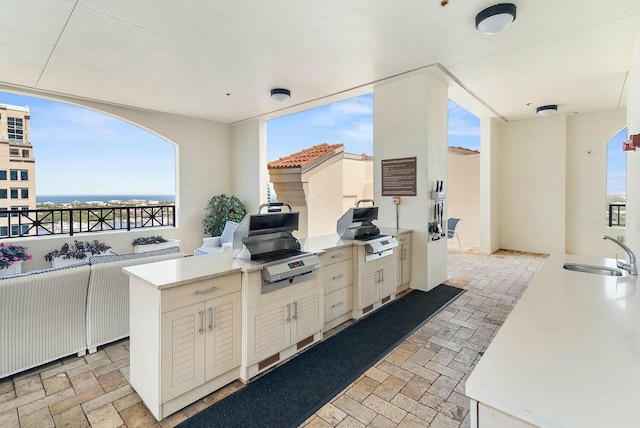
[(219, 210), (79, 250), (149, 240), (11, 254)]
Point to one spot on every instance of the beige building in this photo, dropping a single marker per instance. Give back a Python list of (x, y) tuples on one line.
[(322, 182), (17, 170)]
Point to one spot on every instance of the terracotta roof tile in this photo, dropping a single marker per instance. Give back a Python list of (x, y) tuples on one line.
[(304, 157)]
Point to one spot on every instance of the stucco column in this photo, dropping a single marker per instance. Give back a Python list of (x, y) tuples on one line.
[(249, 160), (489, 220), (410, 120)]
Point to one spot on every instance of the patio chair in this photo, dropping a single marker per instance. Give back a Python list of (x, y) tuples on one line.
[(451, 230)]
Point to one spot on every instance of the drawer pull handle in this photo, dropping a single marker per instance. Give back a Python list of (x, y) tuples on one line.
[(208, 290), (337, 304), (337, 277), (337, 256), (211, 318)]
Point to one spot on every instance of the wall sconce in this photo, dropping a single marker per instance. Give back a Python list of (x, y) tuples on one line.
[(496, 18), (547, 110), (280, 95)]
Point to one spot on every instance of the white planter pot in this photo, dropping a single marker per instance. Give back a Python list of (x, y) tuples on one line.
[(153, 247), (60, 261), (13, 269)]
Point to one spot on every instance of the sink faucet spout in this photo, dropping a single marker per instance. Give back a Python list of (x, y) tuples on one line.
[(632, 267)]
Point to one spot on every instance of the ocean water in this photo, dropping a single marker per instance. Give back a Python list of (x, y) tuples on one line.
[(62, 199)]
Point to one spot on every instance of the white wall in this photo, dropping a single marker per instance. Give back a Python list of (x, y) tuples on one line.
[(411, 120), (587, 136), (532, 159), (463, 197), (324, 196), (632, 231), (249, 160)]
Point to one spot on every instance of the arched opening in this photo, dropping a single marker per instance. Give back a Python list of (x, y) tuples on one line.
[(616, 180)]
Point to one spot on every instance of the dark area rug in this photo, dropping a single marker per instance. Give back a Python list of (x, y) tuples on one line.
[(290, 394)]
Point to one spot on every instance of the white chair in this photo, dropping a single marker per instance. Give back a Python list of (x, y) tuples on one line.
[(451, 230), (216, 244)]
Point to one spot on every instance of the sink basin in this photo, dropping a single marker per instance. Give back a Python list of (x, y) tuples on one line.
[(598, 270)]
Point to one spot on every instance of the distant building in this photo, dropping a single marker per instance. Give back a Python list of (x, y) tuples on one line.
[(321, 183), (17, 170)]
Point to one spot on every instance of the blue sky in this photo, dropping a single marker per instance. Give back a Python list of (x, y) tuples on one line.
[(617, 164)]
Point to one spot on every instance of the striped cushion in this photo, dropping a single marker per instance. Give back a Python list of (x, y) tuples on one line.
[(108, 258), (83, 262)]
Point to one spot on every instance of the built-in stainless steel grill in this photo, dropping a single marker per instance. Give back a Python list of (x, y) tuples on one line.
[(267, 238), (357, 223)]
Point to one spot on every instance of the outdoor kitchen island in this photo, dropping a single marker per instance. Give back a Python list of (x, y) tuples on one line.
[(568, 355), (199, 323)]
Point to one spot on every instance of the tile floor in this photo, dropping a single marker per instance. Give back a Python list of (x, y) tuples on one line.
[(418, 384)]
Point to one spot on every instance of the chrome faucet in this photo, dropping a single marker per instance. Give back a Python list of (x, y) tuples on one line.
[(632, 267)]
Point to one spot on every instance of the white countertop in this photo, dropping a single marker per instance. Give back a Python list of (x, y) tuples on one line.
[(568, 355), (176, 272)]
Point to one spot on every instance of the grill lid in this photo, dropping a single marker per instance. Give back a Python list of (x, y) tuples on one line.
[(266, 235), (356, 223)]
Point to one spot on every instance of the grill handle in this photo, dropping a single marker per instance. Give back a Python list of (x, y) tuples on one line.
[(274, 207), (373, 203)]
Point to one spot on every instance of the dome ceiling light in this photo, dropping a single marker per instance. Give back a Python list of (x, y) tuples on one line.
[(547, 110), (281, 95), (496, 18)]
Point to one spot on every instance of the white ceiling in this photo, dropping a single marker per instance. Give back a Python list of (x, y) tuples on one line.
[(185, 57)]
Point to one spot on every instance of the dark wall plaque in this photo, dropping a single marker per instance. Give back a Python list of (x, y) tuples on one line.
[(399, 177)]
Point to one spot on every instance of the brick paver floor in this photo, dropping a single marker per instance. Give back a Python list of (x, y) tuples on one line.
[(418, 384)]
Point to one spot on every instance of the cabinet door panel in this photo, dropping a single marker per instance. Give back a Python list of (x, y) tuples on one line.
[(369, 289), (223, 324), (406, 264), (182, 351), (387, 280), (268, 330), (308, 314)]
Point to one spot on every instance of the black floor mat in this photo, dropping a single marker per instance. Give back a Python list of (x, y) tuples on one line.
[(293, 392)]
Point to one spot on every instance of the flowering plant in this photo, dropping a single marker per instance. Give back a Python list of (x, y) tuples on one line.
[(149, 240), (11, 254), (79, 250)]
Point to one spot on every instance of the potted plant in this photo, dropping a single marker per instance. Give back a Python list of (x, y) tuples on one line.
[(153, 243), (12, 258), (80, 250), (219, 210)]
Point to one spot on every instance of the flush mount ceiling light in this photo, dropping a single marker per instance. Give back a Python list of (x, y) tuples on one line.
[(547, 110), (280, 95), (496, 18)]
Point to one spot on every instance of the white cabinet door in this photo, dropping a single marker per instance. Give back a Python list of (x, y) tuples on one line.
[(307, 314), (182, 360), (223, 334), (406, 264), (368, 290), (386, 277), (268, 330)]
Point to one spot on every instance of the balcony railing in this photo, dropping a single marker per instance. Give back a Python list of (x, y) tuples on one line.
[(68, 221), (617, 215)]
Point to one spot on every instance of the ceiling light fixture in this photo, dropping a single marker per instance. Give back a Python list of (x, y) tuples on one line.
[(496, 18), (547, 110), (280, 95)]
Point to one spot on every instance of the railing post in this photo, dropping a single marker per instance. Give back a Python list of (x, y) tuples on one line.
[(610, 215), (128, 219), (71, 222)]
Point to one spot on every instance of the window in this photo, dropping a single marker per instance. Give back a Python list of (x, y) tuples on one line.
[(13, 174), (14, 212), (15, 231), (25, 154), (3, 213), (14, 153), (616, 180), (24, 175), (4, 231), (24, 193), (25, 229), (14, 129), (14, 193), (3, 174), (3, 193)]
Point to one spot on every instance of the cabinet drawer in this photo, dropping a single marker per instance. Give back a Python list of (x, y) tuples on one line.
[(336, 255), (178, 297), (403, 238), (338, 303), (338, 275)]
